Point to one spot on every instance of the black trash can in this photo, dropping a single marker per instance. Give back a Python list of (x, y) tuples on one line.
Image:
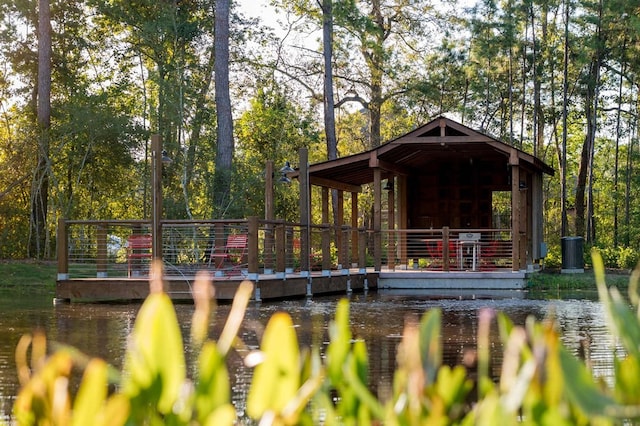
[(572, 255)]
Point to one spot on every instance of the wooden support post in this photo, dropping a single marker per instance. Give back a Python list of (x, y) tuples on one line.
[(403, 221), (62, 250), (252, 245), (355, 243), (269, 216), (391, 220), (515, 214), (305, 211), (325, 244), (340, 246), (446, 237), (101, 261), (377, 220), (156, 190)]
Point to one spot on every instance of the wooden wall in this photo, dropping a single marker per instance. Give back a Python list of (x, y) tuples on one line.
[(455, 193)]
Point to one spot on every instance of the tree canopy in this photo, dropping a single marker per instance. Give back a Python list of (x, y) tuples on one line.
[(554, 78)]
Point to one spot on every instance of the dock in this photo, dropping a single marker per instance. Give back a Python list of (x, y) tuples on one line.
[(179, 288)]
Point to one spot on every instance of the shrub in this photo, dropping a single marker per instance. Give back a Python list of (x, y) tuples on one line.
[(628, 258)]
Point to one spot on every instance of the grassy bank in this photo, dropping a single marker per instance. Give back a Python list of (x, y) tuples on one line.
[(554, 280), (27, 276)]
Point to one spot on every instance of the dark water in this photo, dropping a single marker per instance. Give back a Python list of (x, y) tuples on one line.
[(378, 318)]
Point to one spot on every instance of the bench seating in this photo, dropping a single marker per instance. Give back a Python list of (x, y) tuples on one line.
[(232, 254), (139, 253)]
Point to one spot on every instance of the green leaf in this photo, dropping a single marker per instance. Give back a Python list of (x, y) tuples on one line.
[(222, 416), (277, 378), (212, 388), (91, 394), (581, 389), (430, 344), (154, 363), (453, 385), (623, 322), (340, 336)]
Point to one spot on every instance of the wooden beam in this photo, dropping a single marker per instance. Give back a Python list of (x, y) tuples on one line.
[(330, 183), (442, 139), (393, 168)]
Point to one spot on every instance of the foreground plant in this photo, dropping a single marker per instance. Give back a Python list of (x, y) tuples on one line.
[(540, 381)]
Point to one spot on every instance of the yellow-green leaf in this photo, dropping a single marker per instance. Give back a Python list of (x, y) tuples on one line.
[(212, 388), (154, 364), (277, 378), (340, 335), (430, 345), (91, 394)]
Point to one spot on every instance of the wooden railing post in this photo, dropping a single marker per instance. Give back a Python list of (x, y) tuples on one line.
[(281, 253), (362, 250), (62, 250), (445, 249), (344, 247), (101, 260), (252, 241), (326, 248)]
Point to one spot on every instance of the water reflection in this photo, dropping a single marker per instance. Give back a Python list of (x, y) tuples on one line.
[(378, 318)]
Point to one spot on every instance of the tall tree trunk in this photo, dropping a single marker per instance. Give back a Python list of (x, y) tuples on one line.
[(627, 192), (582, 209), (540, 67), (617, 155), (374, 58), (536, 81), (40, 184), (565, 100), (329, 103), (196, 129), (591, 225), (225, 145)]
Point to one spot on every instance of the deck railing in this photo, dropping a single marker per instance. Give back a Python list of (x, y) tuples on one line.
[(88, 249), (448, 249)]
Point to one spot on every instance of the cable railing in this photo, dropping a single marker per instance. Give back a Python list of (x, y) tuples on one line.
[(447, 249), (249, 247), (226, 248)]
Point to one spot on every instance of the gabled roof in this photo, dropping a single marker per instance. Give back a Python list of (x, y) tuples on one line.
[(423, 147)]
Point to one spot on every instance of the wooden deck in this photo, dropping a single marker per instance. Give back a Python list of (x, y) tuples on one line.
[(273, 287), (267, 286)]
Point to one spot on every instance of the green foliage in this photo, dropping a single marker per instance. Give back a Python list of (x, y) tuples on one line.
[(540, 381)]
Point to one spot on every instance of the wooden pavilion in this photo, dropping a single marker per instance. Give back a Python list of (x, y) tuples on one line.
[(442, 175), (462, 210)]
